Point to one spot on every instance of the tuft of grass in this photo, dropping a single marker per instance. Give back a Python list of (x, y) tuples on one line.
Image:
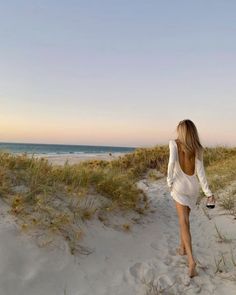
[(224, 267), (232, 257), (221, 238), (228, 202), (126, 227), (218, 264), (154, 175), (206, 213)]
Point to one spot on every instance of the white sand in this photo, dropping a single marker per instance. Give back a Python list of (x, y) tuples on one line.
[(60, 159), (122, 263)]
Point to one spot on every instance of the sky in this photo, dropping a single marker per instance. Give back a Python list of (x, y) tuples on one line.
[(117, 72)]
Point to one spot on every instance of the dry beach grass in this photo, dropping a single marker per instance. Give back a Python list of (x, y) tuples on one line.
[(121, 214), (56, 200)]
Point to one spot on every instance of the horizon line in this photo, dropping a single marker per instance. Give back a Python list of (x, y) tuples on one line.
[(65, 144)]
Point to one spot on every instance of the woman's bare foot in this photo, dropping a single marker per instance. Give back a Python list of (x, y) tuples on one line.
[(192, 270), (181, 251)]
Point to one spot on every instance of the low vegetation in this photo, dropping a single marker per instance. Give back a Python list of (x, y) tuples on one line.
[(57, 200), (221, 175)]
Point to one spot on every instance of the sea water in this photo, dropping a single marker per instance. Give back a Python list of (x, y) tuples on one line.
[(32, 148)]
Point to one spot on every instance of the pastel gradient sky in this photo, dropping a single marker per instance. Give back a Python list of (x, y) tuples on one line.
[(117, 72)]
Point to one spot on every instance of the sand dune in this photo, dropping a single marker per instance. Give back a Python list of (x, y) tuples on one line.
[(142, 261)]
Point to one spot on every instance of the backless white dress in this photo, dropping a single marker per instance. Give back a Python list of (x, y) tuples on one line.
[(184, 187)]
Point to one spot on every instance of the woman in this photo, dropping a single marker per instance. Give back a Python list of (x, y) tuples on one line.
[(185, 171)]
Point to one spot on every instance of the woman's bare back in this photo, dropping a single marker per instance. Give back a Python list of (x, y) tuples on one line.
[(186, 162)]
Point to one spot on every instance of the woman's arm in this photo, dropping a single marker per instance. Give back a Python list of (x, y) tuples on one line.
[(171, 164), (202, 176)]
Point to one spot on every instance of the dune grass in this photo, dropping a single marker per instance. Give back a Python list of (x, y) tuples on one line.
[(58, 199), (221, 175)]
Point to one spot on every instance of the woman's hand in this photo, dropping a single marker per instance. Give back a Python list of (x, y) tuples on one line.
[(211, 200)]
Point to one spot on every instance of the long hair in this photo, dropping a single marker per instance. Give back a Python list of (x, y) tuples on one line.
[(189, 138)]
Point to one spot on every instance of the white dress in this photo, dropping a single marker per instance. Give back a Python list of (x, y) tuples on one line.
[(184, 187)]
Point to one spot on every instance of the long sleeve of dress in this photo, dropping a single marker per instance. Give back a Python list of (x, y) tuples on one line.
[(171, 164), (202, 177)]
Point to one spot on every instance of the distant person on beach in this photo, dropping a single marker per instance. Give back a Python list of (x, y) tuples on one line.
[(185, 171)]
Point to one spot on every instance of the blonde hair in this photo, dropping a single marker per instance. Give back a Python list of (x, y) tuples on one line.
[(189, 138)]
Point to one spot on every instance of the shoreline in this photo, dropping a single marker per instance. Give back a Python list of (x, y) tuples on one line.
[(61, 159)]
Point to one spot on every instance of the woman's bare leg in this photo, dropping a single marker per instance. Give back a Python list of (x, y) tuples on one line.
[(183, 214), (181, 250)]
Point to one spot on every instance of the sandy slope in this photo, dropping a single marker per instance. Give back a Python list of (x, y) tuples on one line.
[(121, 263)]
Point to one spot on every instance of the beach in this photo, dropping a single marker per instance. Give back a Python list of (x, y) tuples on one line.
[(111, 112), (141, 260), (78, 158), (59, 154)]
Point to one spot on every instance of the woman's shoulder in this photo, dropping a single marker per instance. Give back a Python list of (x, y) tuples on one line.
[(172, 145)]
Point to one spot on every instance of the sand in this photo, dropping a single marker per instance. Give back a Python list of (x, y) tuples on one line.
[(142, 261), (60, 159)]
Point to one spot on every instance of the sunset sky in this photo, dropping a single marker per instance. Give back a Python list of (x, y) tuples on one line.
[(117, 72)]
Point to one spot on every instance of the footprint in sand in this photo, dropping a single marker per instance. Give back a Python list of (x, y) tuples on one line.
[(143, 272), (168, 260), (151, 274), (134, 270), (165, 284)]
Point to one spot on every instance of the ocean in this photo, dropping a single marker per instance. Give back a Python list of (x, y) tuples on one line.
[(32, 148)]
